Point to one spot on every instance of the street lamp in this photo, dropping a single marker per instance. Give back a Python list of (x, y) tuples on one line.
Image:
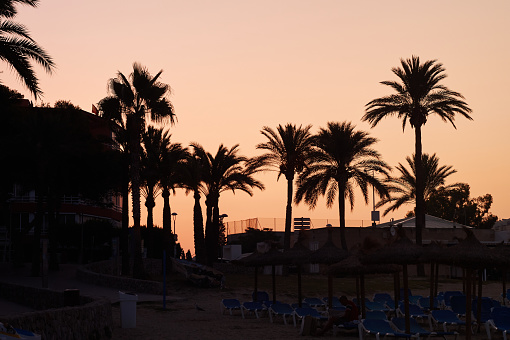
[(222, 216), (174, 217)]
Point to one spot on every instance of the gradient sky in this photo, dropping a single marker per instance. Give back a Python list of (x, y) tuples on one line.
[(236, 66)]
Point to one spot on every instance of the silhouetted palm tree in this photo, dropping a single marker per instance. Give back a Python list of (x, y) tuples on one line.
[(224, 171), (344, 158), (110, 108), (419, 95), (288, 150), (18, 49), (193, 174), (403, 188), (170, 178), (8, 7), (141, 97)]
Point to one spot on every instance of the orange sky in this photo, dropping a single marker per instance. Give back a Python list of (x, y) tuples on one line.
[(236, 66)]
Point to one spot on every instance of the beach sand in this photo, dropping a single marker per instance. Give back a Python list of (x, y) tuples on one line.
[(181, 319)]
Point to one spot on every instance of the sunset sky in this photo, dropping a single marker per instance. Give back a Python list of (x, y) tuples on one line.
[(236, 66)]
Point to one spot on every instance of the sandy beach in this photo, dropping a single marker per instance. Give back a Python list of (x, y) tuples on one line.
[(181, 320)]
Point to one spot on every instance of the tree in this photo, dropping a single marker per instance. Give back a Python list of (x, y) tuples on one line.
[(456, 205), (170, 177), (193, 174), (110, 108), (403, 188), (65, 104), (18, 49), (251, 236), (226, 170), (143, 97), (343, 159), (419, 95), (288, 151), (155, 144)]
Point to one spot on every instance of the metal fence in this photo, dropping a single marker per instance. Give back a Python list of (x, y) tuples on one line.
[(278, 224)]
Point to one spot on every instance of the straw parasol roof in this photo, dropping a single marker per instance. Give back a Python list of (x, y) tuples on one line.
[(328, 253), (352, 265), (470, 253)]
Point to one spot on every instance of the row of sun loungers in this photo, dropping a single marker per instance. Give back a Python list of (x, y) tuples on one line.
[(441, 322)]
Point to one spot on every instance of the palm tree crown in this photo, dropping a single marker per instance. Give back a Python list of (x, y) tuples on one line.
[(18, 49), (418, 95), (344, 158), (403, 188), (288, 149)]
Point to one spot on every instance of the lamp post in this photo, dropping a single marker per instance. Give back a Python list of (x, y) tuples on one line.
[(174, 217)]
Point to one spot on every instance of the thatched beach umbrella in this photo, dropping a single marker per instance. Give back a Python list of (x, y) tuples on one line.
[(470, 254), (403, 252), (329, 254), (352, 266), (297, 255)]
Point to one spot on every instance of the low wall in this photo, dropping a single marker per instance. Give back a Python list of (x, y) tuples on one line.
[(96, 274), (92, 319)]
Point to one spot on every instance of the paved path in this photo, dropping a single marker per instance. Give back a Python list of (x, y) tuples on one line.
[(60, 280)]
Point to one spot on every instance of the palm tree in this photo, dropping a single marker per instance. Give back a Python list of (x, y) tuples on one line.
[(170, 178), (141, 97), (418, 96), (404, 186), (18, 49), (193, 173), (155, 143), (110, 108), (8, 9), (344, 158), (224, 171), (288, 150)]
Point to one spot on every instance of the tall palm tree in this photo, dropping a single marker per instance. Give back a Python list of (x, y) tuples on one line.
[(155, 143), (18, 49), (419, 95), (224, 171), (288, 149), (142, 97), (170, 178), (110, 108), (193, 174), (403, 188), (344, 158)]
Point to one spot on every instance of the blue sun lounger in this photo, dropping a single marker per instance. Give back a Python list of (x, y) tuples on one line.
[(283, 309), (416, 329), (499, 321), (231, 305)]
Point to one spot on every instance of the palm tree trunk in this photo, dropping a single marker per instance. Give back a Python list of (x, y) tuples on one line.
[(209, 238), (36, 246), (149, 238), (420, 189), (288, 213), (167, 227), (124, 238), (198, 229), (341, 210)]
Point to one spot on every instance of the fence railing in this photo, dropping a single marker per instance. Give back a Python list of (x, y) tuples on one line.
[(278, 224)]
